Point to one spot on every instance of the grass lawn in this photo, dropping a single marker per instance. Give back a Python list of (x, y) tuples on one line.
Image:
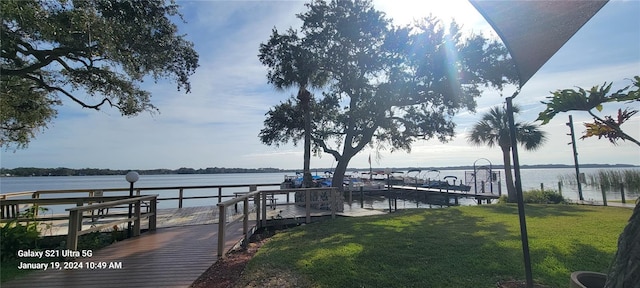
[(473, 246)]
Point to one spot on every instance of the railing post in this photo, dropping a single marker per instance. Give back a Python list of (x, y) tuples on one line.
[(334, 202), (35, 195), (153, 206), (307, 201), (136, 223), (221, 229), (256, 202), (245, 221), (219, 194), (263, 199), (72, 235), (181, 194), (79, 219)]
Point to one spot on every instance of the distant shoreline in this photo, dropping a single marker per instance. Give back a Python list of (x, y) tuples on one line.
[(61, 171)]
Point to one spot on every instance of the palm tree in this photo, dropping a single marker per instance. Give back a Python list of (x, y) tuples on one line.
[(493, 130), (291, 64)]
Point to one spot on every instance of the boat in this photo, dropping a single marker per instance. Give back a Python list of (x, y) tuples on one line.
[(291, 181)]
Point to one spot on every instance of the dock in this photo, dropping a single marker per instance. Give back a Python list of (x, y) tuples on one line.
[(446, 194)]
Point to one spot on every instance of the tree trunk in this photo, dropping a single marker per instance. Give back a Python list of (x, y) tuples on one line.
[(338, 174), (305, 97), (625, 270), (511, 189)]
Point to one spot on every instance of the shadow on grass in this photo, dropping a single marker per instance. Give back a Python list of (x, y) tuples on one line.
[(540, 210), (426, 248)]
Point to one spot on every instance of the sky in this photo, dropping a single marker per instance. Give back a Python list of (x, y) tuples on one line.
[(217, 124)]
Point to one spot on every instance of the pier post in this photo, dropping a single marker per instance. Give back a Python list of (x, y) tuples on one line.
[(622, 193), (334, 201), (153, 208), (72, 235), (245, 221), (181, 194), (361, 197), (604, 195), (541, 186), (256, 202), (136, 222), (395, 200), (221, 228), (263, 199), (308, 205), (560, 187)]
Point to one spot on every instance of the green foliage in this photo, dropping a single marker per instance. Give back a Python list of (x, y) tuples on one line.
[(381, 85), (543, 197), (586, 100), (471, 246), (18, 236), (493, 130), (101, 48)]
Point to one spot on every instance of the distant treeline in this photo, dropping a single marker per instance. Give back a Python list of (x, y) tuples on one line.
[(61, 171)]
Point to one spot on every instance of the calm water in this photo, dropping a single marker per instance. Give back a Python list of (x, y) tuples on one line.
[(531, 179)]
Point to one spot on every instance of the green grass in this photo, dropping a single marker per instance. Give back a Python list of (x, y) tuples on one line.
[(453, 247)]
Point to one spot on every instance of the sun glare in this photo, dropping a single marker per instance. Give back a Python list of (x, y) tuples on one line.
[(406, 11)]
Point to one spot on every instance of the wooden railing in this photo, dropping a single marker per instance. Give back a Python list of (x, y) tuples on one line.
[(10, 209), (28, 197), (260, 200), (75, 217)]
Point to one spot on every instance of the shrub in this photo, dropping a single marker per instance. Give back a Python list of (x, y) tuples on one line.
[(543, 197), (17, 236)]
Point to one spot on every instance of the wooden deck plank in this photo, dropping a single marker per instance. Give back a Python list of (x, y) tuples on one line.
[(173, 256), (168, 257)]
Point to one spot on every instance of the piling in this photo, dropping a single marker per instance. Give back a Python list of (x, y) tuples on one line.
[(604, 195)]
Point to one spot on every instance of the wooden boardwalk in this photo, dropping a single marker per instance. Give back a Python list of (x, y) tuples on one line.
[(182, 248), (168, 257)]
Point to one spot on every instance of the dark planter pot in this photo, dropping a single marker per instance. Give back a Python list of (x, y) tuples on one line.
[(586, 279)]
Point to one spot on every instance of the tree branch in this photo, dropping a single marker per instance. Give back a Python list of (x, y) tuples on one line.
[(44, 85), (326, 148), (616, 128)]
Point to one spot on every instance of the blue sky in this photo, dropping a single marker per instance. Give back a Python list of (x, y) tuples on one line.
[(217, 124)]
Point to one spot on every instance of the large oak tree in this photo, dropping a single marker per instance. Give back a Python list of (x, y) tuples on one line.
[(92, 52), (387, 86)]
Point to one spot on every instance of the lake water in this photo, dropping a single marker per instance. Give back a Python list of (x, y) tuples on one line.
[(531, 179)]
